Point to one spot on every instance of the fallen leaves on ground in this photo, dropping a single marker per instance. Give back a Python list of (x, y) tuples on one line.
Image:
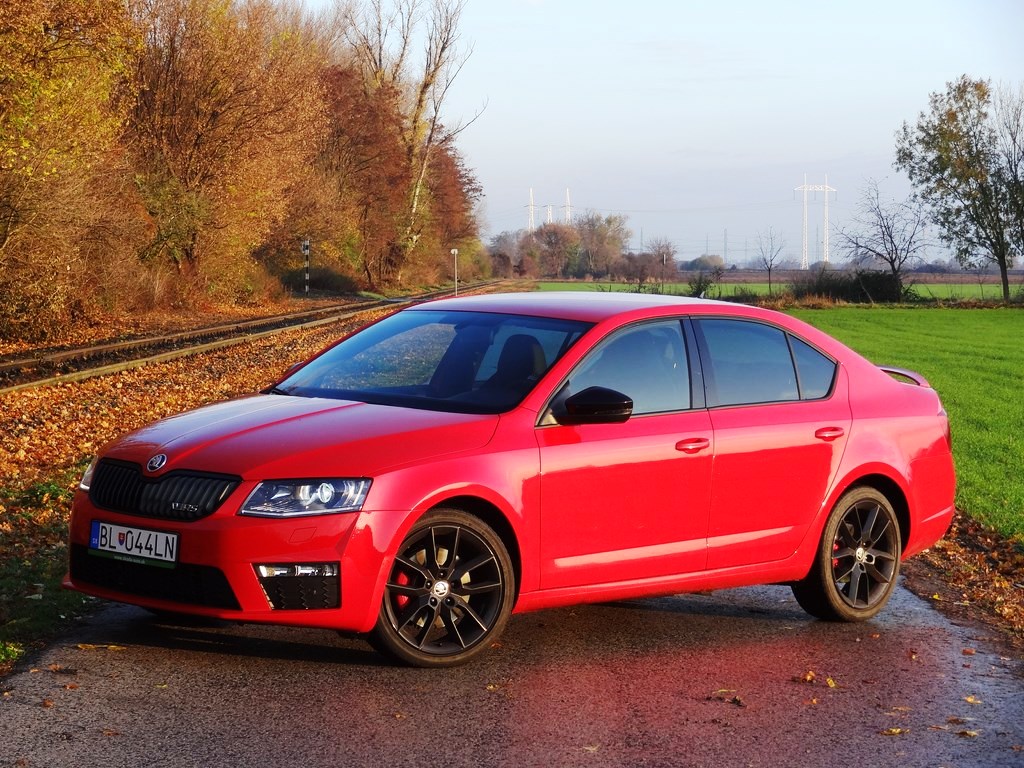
[(722, 694), (101, 329), (50, 433), (975, 571)]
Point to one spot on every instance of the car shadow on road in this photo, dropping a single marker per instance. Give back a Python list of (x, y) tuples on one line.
[(679, 623), (198, 634)]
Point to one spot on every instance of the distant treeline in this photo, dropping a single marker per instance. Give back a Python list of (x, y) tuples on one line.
[(158, 152)]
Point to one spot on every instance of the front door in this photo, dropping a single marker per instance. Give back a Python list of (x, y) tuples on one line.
[(628, 501)]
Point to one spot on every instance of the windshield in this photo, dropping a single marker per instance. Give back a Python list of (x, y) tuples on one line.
[(464, 362)]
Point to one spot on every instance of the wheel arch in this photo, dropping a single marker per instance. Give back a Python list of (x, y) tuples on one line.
[(498, 522), (897, 498)]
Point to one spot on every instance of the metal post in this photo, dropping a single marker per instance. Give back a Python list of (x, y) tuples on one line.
[(305, 253), (455, 255)]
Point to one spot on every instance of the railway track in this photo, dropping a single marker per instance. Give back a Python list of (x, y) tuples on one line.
[(50, 366)]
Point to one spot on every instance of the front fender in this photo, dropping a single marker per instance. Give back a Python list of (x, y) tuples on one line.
[(503, 478)]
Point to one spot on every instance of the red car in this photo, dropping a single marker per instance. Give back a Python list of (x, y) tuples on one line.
[(466, 459)]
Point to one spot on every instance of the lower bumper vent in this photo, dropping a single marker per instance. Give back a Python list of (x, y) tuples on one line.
[(200, 585), (302, 593)]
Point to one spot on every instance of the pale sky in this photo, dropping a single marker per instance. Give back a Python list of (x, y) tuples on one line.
[(697, 119)]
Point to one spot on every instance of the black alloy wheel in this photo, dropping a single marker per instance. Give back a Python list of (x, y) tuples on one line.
[(449, 592), (858, 560)]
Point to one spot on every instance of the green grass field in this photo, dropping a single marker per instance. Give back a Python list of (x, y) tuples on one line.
[(936, 291), (975, 359)]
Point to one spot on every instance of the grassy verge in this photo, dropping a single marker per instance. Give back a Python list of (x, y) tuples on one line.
[(32, 604), (726, 289), (974, 358)]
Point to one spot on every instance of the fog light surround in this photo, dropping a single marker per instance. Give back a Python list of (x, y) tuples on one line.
[(300, 586)]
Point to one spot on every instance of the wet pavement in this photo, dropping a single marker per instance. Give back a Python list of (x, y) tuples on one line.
[(733, 678)]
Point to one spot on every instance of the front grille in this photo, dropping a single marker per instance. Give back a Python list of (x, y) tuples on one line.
[(200, 585), (302, 593), (180, 495)]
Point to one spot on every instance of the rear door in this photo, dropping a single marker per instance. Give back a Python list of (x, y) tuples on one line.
[(781, 416)]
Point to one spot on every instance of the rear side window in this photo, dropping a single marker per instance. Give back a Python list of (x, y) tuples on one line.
[(816, 371), (748, 362)]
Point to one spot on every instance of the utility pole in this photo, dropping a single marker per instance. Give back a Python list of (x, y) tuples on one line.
[(531, 225), (814, 188), (455, 255)]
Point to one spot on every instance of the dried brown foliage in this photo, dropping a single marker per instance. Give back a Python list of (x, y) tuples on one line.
[(158, 153), (63, 179), (975, 572)]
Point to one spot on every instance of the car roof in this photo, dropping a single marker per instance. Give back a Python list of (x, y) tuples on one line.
[(590, 306)]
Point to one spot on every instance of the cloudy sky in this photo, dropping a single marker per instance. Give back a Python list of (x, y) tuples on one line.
[(698, 119)]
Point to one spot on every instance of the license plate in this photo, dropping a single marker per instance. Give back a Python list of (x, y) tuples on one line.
[(136, 545)]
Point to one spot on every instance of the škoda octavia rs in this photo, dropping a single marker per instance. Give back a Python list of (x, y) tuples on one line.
[(466, 459)]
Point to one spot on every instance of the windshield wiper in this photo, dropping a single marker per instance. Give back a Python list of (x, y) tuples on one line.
[(275, 391)]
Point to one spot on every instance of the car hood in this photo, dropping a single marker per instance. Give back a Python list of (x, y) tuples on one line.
[(275, 436)]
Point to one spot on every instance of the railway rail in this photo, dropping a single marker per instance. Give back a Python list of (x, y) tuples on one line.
[(50, 366)]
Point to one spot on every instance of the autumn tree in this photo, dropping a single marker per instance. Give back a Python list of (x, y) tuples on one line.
[(364, 173), (62, 205), (454, 196), (557, 248), (227, 120), (640, 268), (769, 251), (602, 240), (893, 234), (964, 158)]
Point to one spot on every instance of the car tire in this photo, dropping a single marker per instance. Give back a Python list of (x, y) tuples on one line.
[(857, 562), (449, 592)]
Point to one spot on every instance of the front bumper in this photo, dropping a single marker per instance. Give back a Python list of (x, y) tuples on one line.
[(216, 571)]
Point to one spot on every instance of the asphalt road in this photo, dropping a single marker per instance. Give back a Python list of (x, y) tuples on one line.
[(734, 678)]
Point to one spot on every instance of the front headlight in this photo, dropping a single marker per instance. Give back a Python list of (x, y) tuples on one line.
[(297, 498), (86, 480)]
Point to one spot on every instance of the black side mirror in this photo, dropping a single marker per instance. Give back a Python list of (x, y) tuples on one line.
[(594, 405)]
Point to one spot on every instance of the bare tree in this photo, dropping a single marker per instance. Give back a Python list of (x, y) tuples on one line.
[(381, 38), (769, 251), (1009, 119), (894, 234), (664, 253)]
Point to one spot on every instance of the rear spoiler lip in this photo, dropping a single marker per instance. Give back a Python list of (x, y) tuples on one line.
[(905, 373)]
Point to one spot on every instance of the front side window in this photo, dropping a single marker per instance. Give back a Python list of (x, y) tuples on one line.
[(463, 362), (647, 363)]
